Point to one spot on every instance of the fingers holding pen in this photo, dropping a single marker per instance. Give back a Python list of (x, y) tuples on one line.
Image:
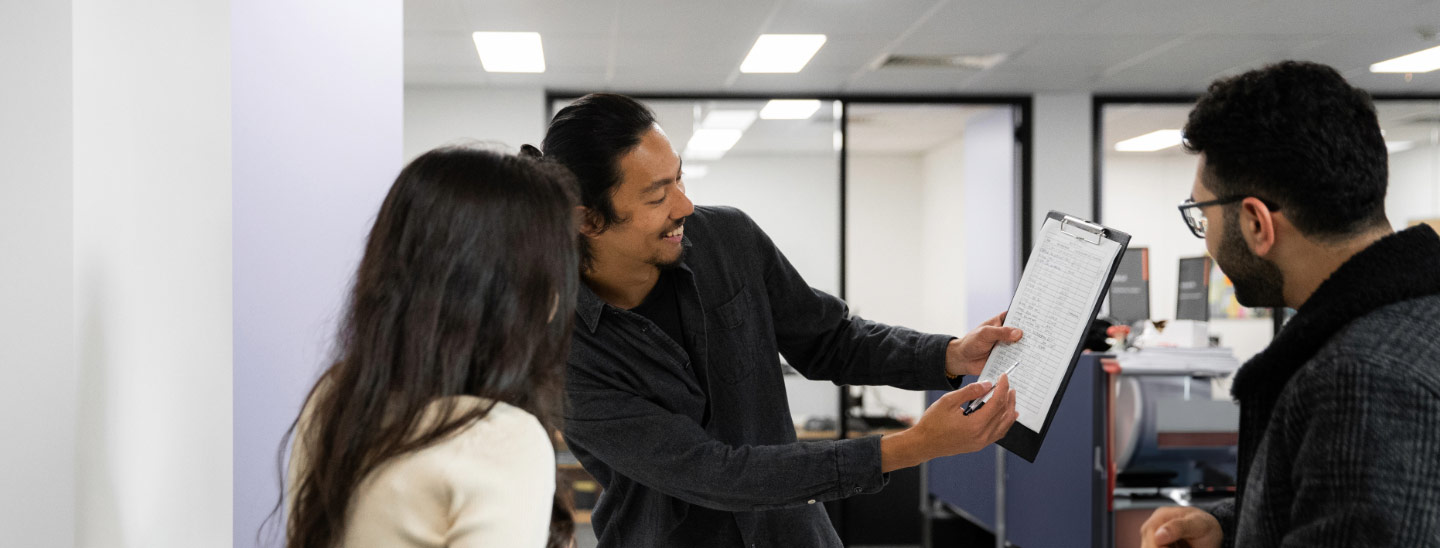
[(999, 412)]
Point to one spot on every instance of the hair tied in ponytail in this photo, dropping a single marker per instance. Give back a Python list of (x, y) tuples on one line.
[(529, 151)]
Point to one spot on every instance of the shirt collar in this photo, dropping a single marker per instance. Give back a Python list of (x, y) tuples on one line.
[(589, 306)]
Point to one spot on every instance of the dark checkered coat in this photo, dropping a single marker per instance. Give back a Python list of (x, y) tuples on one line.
[(1340, 415)]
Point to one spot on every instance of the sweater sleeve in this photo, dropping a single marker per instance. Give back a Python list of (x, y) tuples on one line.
[(502, 483)]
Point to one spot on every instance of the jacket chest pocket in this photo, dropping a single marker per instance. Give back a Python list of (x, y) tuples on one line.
[(736, 341)]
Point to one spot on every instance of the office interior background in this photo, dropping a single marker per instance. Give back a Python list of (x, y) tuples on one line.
[(186, 186)]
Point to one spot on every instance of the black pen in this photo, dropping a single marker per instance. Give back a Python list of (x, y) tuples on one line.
[(975, 404)]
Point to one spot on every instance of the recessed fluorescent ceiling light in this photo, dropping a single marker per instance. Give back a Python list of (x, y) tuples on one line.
[(1421, 61), (510, 51), (1398, 146), (714, 139), (789, 109), (711, 144), (728, 119), (710, 155), (1150, 142), (782, 52)]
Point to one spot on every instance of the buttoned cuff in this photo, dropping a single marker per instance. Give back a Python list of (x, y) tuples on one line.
[(1224, 512), (857, 467), (930, 359)]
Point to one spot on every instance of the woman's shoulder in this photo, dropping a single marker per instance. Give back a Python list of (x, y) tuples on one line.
[(507, 436), (502, 422), (506, 451), (495, 478), (506, 448)]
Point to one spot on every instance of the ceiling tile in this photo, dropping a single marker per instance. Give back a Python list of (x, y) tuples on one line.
[(543, 16), (440, 48), (435, 15), (1130, 46), (1062, 50), (847, 17), (638, 18), (1169, 17)]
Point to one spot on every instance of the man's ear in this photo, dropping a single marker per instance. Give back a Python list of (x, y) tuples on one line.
[(1257, 226), (588, 221)]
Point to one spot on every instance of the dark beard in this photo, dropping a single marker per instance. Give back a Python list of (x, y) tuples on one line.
[(679, 259), (1258, 282), (669, 265)]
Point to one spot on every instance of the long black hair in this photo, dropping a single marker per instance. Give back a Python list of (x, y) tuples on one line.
[(588, 137), (466, 287)]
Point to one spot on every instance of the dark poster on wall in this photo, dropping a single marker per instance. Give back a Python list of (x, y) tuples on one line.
[(1130, 289), (1192, 297)]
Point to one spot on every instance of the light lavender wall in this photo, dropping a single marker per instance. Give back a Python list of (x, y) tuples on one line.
[(317, 104), (37, 360)]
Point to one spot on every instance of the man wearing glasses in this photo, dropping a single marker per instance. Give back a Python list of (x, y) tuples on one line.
[(1340, 415)]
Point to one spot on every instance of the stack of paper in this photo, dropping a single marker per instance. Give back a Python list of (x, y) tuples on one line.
[(1179, 361)]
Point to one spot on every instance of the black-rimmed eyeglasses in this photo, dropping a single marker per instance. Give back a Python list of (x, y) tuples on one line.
[(1195, 219)]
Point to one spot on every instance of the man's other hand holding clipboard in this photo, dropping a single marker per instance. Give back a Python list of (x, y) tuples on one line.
[(945, 429)]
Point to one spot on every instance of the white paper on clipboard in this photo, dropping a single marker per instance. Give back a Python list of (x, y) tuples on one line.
[(1054, 306)]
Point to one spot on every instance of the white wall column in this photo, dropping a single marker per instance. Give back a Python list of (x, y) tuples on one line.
[(152, 272), (37, 358)]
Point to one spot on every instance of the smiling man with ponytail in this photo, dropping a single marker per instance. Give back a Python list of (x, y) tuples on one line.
[(676, 401)]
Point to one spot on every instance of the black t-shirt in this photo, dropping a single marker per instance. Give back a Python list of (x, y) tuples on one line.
[(662, 306)]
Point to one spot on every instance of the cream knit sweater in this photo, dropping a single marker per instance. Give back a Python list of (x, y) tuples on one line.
[(491, 484)]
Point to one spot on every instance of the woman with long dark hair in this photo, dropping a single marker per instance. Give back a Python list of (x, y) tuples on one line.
[(433, 425)]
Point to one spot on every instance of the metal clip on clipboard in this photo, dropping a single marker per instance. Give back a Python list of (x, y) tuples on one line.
[(1089, 232)]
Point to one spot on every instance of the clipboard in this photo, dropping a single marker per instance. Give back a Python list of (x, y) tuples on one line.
[(1061, 289)]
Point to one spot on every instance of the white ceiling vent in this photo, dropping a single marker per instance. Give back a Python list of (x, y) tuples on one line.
[(963, 62)]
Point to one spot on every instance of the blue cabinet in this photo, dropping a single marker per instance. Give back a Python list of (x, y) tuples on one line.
[(1063, 498)]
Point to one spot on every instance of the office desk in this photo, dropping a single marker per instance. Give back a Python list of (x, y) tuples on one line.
[(1064, 498)]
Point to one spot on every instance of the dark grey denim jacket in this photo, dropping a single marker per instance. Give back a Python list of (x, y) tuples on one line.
[(635, 409)]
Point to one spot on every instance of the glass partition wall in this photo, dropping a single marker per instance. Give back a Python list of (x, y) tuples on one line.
[(933, 224), (1412, 134), (931, 219), (1143, 173)]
